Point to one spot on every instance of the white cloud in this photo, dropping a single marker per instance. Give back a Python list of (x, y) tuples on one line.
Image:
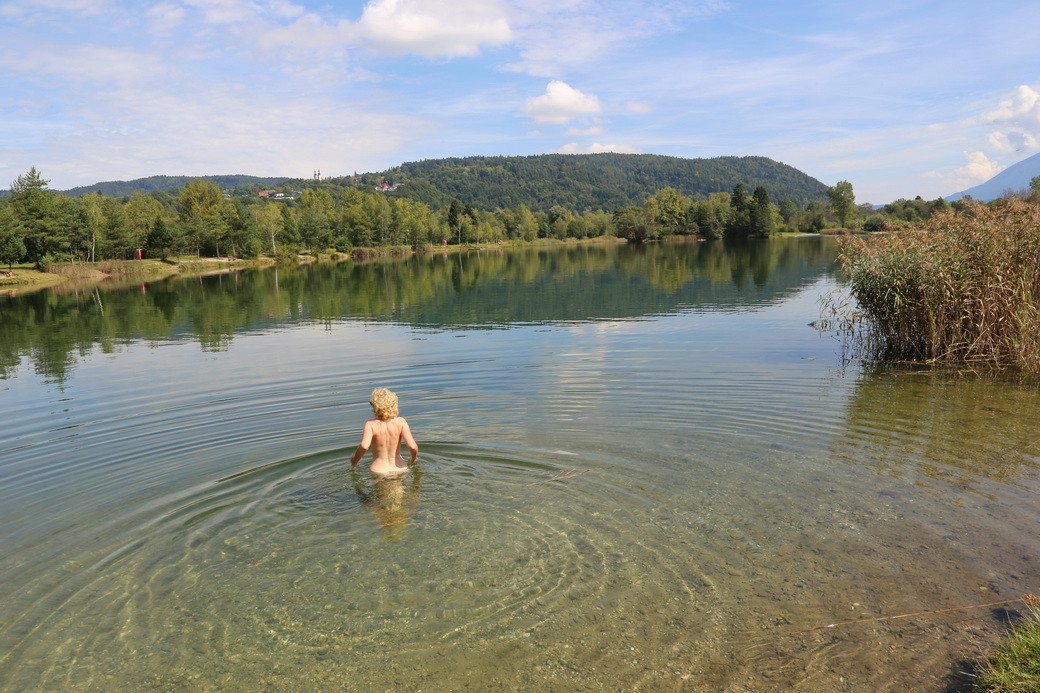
[(1017, 120), (638, 106), (588, 132), (979, 167), (434, 28), (84, 64), (561, 103), (284, 9), (20, 8), (553, 34), (597, 148), (165, 17), (116, 111), (225, 127), (224, 11), (1003, 131), (309, 33), (1012, 140), (239, 14), (1025, 104)]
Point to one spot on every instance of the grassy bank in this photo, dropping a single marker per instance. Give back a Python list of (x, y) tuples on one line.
[(75, 274), (146, 270), (23, 276), (962, 287), (1015, 666)]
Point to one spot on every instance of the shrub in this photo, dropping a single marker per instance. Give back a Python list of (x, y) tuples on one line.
[(874, 223)]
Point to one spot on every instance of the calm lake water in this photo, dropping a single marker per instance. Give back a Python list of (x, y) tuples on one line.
[(641, 468)]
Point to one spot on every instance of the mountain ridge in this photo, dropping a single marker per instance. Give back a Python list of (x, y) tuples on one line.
[(591, 181), (576, 181), (165, 183), (1015, 177)]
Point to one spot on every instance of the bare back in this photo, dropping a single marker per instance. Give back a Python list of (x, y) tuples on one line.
[(384, 437)]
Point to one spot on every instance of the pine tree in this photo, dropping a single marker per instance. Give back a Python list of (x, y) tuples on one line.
[(159, 238)]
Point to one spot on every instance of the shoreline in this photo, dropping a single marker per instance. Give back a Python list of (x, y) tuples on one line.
[(78, 275)]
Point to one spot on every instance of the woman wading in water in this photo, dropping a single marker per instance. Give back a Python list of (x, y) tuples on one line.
[(384, 434)]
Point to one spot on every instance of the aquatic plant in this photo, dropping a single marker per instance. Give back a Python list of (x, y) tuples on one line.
[(1015, 666), (963, 286)]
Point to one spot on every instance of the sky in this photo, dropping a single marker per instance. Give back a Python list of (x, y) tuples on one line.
[(901, 99)]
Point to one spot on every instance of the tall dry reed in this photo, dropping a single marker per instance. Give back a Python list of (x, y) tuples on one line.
[(963, 286)]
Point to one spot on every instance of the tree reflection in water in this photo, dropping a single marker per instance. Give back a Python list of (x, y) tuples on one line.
[(472, 290)]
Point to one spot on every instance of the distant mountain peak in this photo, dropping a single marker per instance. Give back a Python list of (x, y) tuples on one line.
[(1015, 177)]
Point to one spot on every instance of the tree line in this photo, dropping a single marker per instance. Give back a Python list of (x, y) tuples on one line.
[(40, 226)]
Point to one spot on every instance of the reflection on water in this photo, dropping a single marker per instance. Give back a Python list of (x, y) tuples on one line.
[(641, 469), (391, 499), (945, 426), (488, 288)]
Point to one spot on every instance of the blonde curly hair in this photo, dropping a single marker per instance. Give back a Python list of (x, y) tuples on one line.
[(384, 403)]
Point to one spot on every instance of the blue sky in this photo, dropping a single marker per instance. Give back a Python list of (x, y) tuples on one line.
[(902, 99)]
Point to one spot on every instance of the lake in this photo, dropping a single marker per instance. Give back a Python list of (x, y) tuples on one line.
[(640, 468)]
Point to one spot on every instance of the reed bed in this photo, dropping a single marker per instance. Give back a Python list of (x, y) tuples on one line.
[(112, 268), (961, 287)]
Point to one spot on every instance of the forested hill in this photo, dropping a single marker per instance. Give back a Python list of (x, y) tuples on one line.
[(120, 188), (574, 181), (589, 181)]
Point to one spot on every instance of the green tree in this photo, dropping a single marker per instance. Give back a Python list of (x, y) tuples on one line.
[(788, 212), (631, 223), (117, 238), (269, 220), (843, 201), (814, 218), (243, 235), (35, 207), (740, 212), (316, 208), (357, 225), (201, 216), (12, 248), (454, 220), (667, 210), (92, 215), (141, 211), (712, 216), (411, 223), (599, 224), (762, 221), (289, 238), (159, 239), (381, 216), (559, 219), (577, 228)]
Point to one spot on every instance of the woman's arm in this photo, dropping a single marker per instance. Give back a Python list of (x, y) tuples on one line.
[(406, 435), (366, 442)]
